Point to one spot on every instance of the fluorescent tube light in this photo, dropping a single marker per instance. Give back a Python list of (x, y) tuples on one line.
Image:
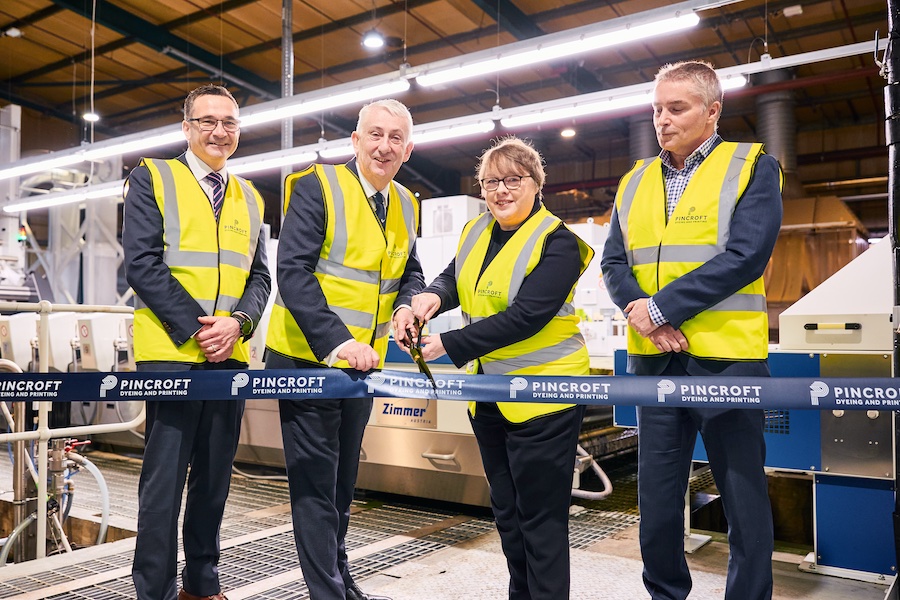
[(592, 104), (430, 134), (339, 151), (552, 47), (270, 160), (110, 189), (356, 95)]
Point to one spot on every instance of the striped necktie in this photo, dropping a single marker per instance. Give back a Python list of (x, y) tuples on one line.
[(218, 192), (378, 200)]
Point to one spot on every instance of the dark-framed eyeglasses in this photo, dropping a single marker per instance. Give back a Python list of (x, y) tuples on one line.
[(209, 124), (512, 182)]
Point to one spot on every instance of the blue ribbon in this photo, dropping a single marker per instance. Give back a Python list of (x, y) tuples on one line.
[(776, 393)]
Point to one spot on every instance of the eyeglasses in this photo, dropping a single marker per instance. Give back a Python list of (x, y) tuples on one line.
[(512, 182), (209, 124)]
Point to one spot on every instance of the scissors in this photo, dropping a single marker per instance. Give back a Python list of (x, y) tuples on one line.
[(415, 350)]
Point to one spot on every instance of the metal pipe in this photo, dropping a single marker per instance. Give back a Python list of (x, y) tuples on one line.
[(75, 431), (891, 67), (43, 432)]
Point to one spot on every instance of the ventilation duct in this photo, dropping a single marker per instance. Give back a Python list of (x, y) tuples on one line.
[(777, 129), (641, 136)]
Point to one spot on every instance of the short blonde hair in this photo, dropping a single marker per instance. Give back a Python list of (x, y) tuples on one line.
[(511, 151)]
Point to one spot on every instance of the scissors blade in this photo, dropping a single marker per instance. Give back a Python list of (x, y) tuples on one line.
[(423, 367)]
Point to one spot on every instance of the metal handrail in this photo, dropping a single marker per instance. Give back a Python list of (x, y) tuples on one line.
[(43, 433)]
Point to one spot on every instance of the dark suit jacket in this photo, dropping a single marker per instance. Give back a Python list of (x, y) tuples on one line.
[(149, 276), (299, 245), (754, 230)]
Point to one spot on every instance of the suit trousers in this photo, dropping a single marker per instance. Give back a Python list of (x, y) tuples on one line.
[(203, 435), (322, 440), (529, 467), (736, 450)]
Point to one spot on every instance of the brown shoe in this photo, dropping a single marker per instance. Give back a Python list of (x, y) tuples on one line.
[(183, 595)]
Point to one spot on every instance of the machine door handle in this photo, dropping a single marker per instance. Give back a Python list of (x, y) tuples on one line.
[(433, 456)]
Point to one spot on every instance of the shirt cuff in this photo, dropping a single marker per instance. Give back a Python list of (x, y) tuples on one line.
[(332, 356), (399, 307), (655, 314)]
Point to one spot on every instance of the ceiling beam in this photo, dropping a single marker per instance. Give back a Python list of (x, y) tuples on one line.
[(81, 57), (510, 18), (162, 40)]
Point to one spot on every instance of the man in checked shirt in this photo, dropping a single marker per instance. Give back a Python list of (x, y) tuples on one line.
[(691, 234)]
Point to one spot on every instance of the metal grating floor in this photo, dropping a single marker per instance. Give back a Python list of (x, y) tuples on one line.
[(399, 547), (259, 558)]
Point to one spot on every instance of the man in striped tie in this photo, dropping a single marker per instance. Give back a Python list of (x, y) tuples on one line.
[(196, 261)]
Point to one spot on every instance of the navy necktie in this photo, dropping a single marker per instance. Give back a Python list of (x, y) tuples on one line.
[(218, 192), (378, 199)]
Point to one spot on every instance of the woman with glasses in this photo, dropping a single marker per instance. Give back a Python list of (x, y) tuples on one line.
[(514, 277)]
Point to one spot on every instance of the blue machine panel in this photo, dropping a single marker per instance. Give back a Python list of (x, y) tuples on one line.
[(792, 436), (853, 523)]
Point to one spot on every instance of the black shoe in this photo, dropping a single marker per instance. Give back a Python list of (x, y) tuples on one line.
[(354, 593)]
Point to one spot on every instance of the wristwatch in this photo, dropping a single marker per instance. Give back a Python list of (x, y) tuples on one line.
[(245, 323)]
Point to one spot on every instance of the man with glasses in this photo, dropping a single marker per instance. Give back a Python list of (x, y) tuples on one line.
[(196, 260)]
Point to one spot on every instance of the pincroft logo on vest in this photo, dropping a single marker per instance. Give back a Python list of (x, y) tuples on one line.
[(517, 384), (487, 291), (108, 383), (817, 389), (690, 217), (239, 381), (237, 229), (663, 387)]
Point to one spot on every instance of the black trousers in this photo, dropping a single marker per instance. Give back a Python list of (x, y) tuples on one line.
[(737, 452), (204, 435), (322, 439), (529, 467)]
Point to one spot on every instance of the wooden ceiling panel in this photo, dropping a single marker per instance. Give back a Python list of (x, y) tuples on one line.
[(139, 86)]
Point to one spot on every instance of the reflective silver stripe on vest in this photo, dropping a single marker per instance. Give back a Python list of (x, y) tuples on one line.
[(483, 222), (409, 216), (728, 196), (353, 318), (327, 266), (566, 310), (521, 264), (255, 218), (625, 207), (171, 222), (389, 286), (191, 258), (742, 302), (466, 318), (338, 252), (536, 358), (227, 303), (690, 254), (643, 256), (382, 330), (235, 259), (208, 306)]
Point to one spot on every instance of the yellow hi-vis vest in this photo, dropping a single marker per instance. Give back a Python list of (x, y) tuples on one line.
[(360, 264), (558, 348), (213, 270), (660, 252)]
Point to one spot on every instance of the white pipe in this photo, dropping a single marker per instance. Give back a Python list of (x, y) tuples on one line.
[(77, 431), (104, 493), (607, 484), (43, 430)]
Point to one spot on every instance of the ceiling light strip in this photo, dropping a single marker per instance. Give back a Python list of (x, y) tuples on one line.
[(731, 77)]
